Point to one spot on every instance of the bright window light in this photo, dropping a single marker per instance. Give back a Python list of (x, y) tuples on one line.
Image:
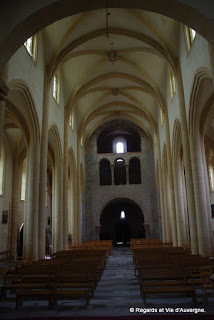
[(119, 147), (122, 215), (23, 184), (193, 34)]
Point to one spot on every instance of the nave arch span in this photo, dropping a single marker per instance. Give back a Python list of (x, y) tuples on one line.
[(182, 221), (72, 196), (55, 155), (20, 115), (35, 15)]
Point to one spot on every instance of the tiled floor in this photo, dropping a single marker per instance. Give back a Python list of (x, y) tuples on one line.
[(117, 292)]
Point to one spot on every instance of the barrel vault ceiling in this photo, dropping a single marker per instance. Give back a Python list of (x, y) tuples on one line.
[(119, 73)]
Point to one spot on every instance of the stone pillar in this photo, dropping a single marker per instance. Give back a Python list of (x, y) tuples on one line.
[(57, 208), (187, 165), (112, 174), (3, 96), (162, 200), (207, 192), (43, 171), (179, 201), (167, 209), (200, 195), (15, 208), (147, 230), (65, 183), (171, 194), (31, 201), (78, 188)]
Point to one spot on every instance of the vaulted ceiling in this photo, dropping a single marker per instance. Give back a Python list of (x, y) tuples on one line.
[(116, 73)]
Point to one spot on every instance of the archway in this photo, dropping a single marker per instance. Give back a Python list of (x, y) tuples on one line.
[(121, 220), (35, 15)]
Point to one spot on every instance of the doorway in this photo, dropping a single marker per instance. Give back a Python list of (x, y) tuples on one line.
[(20, 241), (121, 220)]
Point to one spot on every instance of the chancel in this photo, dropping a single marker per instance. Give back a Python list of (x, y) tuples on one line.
[(106, 139)]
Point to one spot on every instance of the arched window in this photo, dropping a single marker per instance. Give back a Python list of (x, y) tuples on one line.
[(119, 172), (105, 172), (56, 86), (211, 177), (31, 46), (172, 83), (134, 171), (119, 145), (23, 183), (2, 169), (190, 35), (122, 215)]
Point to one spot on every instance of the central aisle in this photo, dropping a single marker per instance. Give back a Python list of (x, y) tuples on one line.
[(118, 289)]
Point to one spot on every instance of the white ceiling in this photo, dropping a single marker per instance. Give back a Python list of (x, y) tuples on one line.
[(138, 46)]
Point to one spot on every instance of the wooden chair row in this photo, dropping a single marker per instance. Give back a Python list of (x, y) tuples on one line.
[(55, 279), (168, 274)]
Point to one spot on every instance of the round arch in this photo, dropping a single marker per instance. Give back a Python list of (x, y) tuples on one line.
[(120, 220), (35, 15)]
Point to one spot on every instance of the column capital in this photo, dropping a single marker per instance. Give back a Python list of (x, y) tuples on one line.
[(3, 90)]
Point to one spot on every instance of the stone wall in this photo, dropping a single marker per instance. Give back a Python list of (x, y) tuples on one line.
[(144, 194)]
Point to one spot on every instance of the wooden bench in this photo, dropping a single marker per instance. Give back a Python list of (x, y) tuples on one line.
[(5, 256), (30, 281), (52, 290), (35, 293), (172, 287)]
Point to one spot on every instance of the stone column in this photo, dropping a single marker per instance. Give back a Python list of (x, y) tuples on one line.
[(179, 201), (43, 171), (207, 192), (200, 195), (162, 200), (15, 208), (171, 193), (3, 96), (31, 202), (112, 174), (57, 208), (187, 165), (65, 183), (78, 188), (167, 209)]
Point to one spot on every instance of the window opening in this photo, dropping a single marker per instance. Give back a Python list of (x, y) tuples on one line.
[(31, 46), (23, 183), (211, 176), (190, 35), (122, 215), (134, 171), (172, 83), (56, 86), (119, 147), (119, 172), (105, 173), (2, 169)]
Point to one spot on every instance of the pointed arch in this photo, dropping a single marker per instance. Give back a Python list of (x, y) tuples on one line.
[(21, 106), (198, 98), (55, 143)]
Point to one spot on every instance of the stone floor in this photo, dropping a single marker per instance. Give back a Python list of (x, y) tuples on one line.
[(117, 293)]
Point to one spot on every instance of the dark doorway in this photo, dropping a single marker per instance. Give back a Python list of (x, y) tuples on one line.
[(121, 220), (20, 241)]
